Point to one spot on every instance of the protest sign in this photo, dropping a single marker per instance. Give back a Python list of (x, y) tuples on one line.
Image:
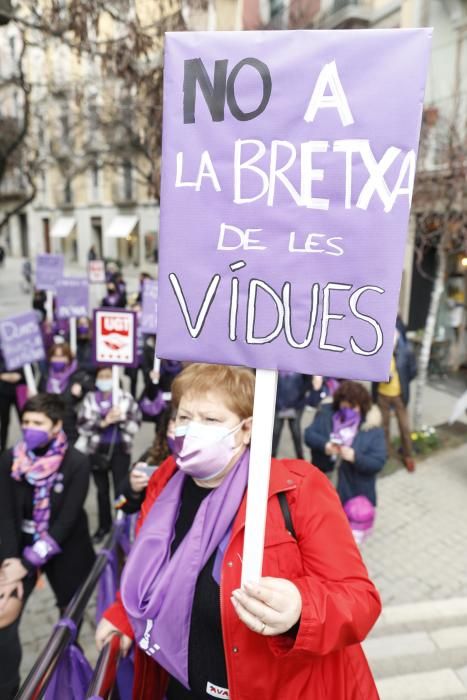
[(115, 337), (286, 190), (149, 307), (72, 297), (286, 195), (21, 340), (96, 271), (49, 270)]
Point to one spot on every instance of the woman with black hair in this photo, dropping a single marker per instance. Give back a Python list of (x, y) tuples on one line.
[(43, 525)]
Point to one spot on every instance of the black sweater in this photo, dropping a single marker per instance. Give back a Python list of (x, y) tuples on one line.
[(68, 521)]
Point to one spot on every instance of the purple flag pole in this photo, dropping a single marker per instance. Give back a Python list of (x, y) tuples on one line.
[(258, 477)]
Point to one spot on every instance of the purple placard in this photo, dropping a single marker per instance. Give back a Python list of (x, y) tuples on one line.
[(49, 270), (286, 191), (114, 337), (149, 307), (72, 294), (21, 340)]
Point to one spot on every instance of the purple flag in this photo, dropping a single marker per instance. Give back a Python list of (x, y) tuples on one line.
[(49, 270), (21, 340), (149, 307), (72, 297), (288, 167), (73, 672)]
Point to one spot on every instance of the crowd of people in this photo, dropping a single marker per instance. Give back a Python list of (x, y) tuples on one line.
[(181, 601)]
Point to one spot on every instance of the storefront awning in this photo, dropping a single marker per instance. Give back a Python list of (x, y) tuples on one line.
[(121, 227), (63, 227)]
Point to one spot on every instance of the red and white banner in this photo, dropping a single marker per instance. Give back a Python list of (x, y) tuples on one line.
[(115, 337)]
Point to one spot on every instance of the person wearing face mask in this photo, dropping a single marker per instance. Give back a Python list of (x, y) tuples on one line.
[(198, 634), (348, 434), (43, 524), (132, 489), (84, 345), (63, 376), (114, 297), (106, 434)]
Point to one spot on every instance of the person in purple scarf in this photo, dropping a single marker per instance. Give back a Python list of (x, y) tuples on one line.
[(198, 634), (347, 434), (64, 377), (43, 525)]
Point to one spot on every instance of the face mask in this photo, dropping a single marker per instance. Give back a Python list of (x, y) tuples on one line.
[(171, 442), (58, 365), (204, 451), (348, 414), (104, 385), (83, 330), (34, 438)]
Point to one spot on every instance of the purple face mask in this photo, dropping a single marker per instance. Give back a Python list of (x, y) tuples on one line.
[(348, 414), (34, 438), (204, 451), (58, 365), (171, 442)]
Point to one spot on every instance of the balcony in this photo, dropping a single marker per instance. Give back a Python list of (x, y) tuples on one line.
[(123, 196), (347, 14), (13, 187)]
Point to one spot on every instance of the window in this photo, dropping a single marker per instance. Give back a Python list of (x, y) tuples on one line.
[(67, 192), (127, 180)]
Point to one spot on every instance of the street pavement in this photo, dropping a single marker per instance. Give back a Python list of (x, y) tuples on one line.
[(416, 556)]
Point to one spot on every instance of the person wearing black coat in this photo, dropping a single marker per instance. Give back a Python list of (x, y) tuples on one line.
[(290, 402), (9, 381), (51, 536), (358, 448)]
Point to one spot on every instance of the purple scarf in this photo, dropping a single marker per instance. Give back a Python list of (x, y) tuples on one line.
[(58, 381), (157, 590), (345, 423)]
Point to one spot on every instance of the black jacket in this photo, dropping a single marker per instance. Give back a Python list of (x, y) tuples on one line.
[(68, 521)]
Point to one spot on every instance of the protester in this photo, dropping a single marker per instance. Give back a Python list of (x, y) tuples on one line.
[(290, 402), (92, 255), (297, 632), (132, 372), (10, 384), (114, 297), (106, 434), (63, 376), (347, 434), (394, 396), (43, 525), (26, 272), (321, 389), (142, 279), (39, 300), (84, 354), (132, 489)]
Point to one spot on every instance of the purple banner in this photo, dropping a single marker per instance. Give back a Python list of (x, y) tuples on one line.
[(72, 297), (21, 340), (288, 167), (49, 270), (149, 307)]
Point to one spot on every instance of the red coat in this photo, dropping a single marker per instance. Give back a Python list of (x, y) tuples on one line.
[(340, 604)]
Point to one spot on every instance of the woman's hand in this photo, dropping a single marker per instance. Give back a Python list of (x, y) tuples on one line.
[(113, 416), (12, 571), (331, 449), (7, 590), (348, 453), (104, 632), (76, 390), (270, 607), (138, 480)]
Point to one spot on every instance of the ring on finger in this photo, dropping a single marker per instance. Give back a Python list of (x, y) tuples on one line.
[(263, 627)]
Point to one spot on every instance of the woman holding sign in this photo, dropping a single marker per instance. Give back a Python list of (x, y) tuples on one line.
[(296, 634)]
